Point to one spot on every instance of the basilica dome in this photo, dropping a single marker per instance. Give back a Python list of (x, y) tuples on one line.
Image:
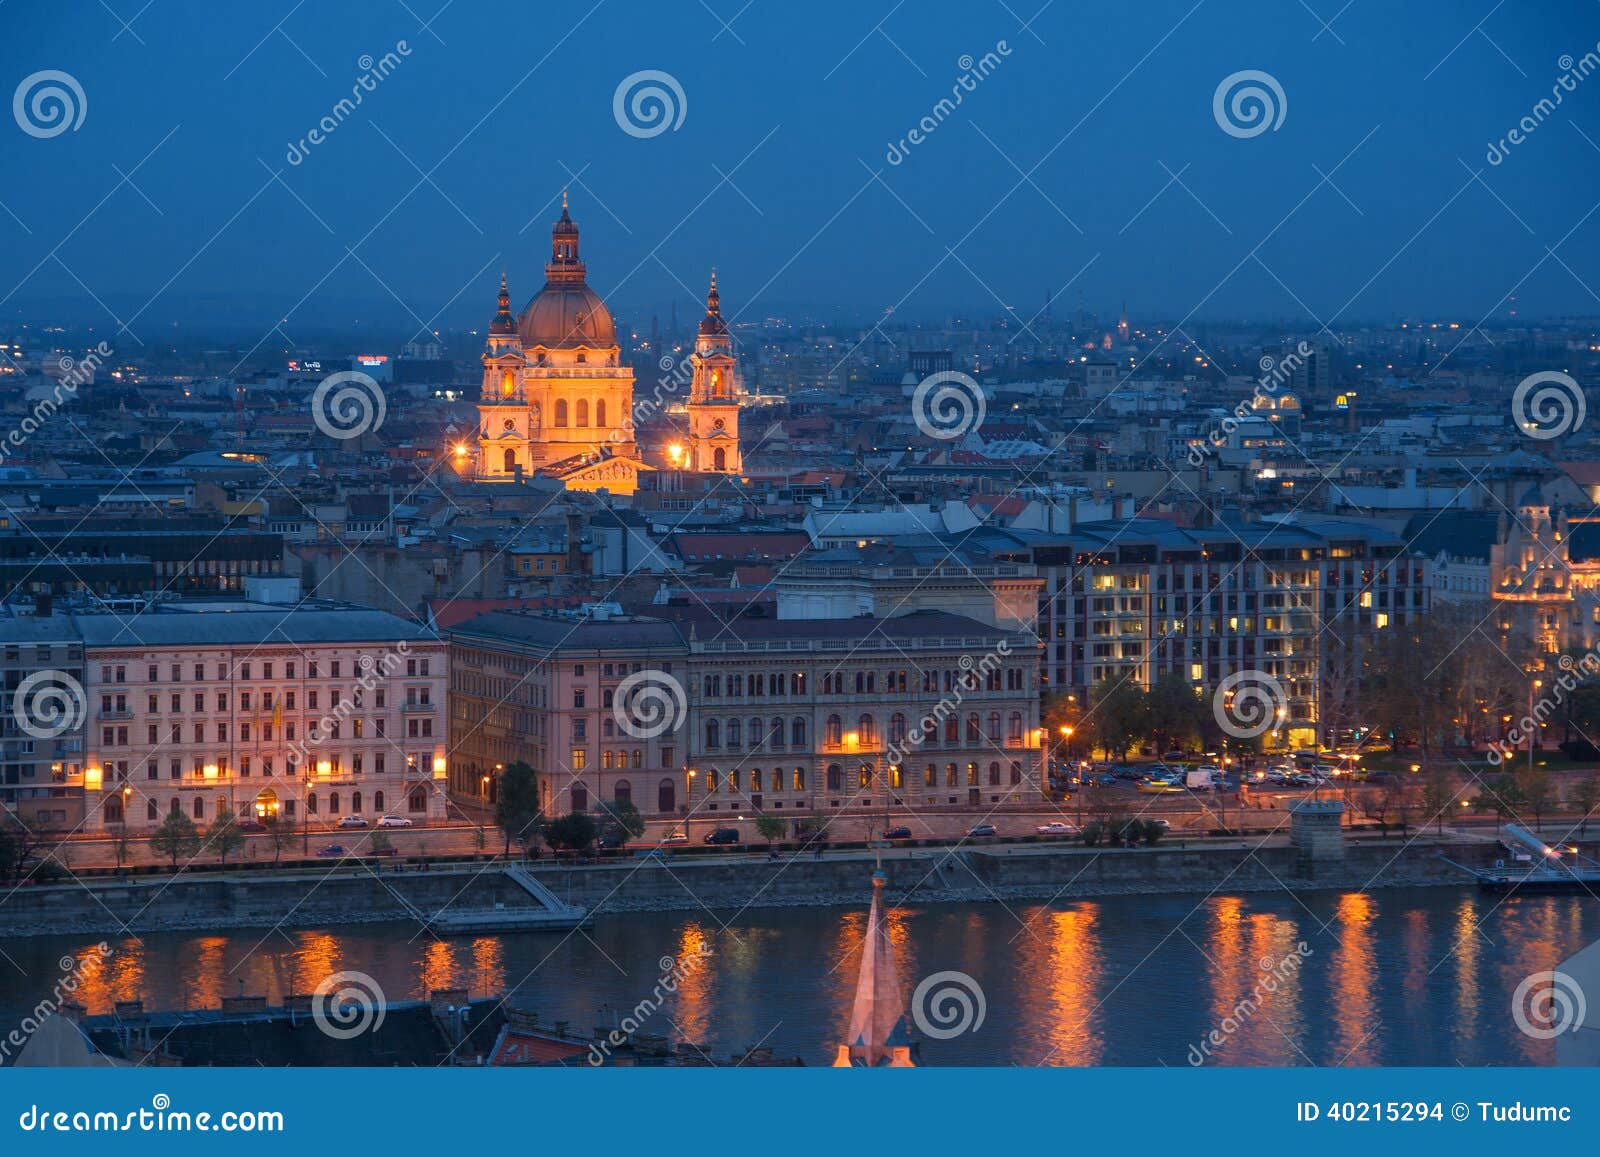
[(566, 313)]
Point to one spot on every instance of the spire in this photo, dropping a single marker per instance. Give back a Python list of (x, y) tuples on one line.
[(877, 1034), (565, 263), (713, 324), (503, 321)]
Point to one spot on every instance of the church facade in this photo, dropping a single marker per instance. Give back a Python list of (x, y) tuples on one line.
[(557, 397)]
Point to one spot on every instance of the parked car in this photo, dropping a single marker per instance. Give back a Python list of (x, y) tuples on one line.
[(251, 826), (722, 836), (897, 834), (675, 836), (331, 850), (652, 854), (353, 822), (979, 830), (395, 822), (1382, 777), (389, 850), (1130, 773), (1057, 828)]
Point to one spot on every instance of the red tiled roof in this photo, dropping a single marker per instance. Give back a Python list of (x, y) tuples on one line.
[(518, 1048)]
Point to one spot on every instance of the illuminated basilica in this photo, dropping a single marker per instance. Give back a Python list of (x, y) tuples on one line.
[(557, 399)]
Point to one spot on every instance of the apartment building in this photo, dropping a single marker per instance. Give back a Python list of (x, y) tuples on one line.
[(308, 712), (1142, 598), (758, 714), (42, 722)]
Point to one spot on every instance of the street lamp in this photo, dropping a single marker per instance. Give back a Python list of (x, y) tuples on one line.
[(1532, 727)]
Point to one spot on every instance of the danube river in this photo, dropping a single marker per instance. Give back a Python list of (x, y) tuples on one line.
[(1396, 977)]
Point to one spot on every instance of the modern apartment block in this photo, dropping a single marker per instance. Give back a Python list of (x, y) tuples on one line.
[(41, 722), (761, 714), (1143, 598)]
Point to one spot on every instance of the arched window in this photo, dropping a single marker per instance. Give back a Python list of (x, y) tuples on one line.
[(994, 726), (864, 775), (333, 803), (897, 727), (835, 777), (623, 792), (1014, 728), (377, 802), (1016, 773), (735, 736), (972, 774), (151, 811), (797, 731), (509, 460), (719, 459), (950, 775), (417, 801), (199, 808), (952, 730), (508, 384), (311, 804), (930, 776), (867, 729), (580, 797), (834, 735), (636, 759), (799, 779), (775, 730), (561, 412), (713, 733), (753, 730), (711, 779), (994, 775), (583, 412), (600, 412), (974, 732), (666, 796)]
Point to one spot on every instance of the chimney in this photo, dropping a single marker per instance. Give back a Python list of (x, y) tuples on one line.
[(574, 542), (44, 606)]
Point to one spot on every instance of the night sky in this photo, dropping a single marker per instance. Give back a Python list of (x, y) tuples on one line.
[(1089, 151)]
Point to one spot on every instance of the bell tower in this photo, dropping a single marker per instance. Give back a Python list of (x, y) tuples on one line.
[(713, 404)]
